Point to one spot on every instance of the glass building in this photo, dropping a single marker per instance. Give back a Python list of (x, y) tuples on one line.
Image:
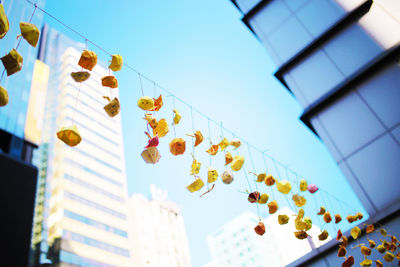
[(340, 59), (13, 116), (82, 208)]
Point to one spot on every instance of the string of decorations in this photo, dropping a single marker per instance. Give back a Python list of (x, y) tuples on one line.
[(159, 128)]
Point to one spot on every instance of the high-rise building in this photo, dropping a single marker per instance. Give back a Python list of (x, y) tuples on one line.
[(157, 231), (235, 244), (340, 59), (82, 210)]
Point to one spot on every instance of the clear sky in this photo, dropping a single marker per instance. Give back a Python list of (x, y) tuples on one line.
[(204, 54)]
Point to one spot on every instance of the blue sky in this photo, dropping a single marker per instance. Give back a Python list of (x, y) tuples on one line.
[(204, 54)]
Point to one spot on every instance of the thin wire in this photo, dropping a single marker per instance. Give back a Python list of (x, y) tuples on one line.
[(252, 163), (209, 136), (191, 114), (159, 86), (266, 169), (141, 84)]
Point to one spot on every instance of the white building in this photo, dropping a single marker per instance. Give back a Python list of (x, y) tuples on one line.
[(86, 221), (157, 231), (235, 244)]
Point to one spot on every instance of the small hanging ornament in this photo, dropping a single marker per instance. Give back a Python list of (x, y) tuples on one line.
[(381, 248), (177, 146), (348, 262), (339, 235), (195, 186), (270, 180), (153, 141), (300, 225), (161, 129), (69, 135), (372, 243), (177, 117), (227, 177), (254, 197), (379, 263), (303, 185), (338, 218), (370, 229), (195, 168), (283, 186), (212, 175), (366, 262), (260, 228), (12, 62), (113, 107), (3, 96), (300, 215), (4, 24), (323, 236), (365, 250), (389, 257), (88, 60), (223, 144), (312, 188), (228, 158), (359, 215), (308, 222), (272, 207), (236, 143), (351, 218), (199, 138), (299, 201), (213, 150), (151, 120), (301, 234), (80, 76), (260, 177), (146, 103), (263, 199), (327, 217), (109, 81), (151, 155), (283, 219), (237, 163), (383, 232), (355, 232), (321, 211), (116, 63), (345, 241), (158, 103), (30, 33), (342, 252)]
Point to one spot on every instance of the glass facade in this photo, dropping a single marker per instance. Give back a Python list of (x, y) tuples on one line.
[(12, 116)]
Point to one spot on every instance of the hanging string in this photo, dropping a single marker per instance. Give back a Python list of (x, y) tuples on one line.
[(252, 163), (266, 170), (141, 85), (209, 136), (150, 80), (191, 115), (173, 124)]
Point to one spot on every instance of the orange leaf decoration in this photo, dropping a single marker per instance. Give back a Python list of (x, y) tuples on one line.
[(370, 228), (109, 81), (338, 218), (177, 146), (158, 103), (260, 228), (213, 150), (228, 158), (199, 138), (339, 235), (88, 60)]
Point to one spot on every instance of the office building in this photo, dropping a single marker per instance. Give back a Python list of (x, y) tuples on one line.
[(235, 244), (157, 231), (18, 176), (340, 59), (82, 210)]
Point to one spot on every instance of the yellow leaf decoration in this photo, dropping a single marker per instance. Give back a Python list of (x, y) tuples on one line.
[(177, 116), (283, 219), (237, 163), (4, 24), (212, 175), (195, 186), (299, 201), (116, 63), (151, 120), (146, 103), (283, 186), (161, 129), (195, 169), (236, 143), (263, 199), (69, 135), (3, 96), (30, 33), (303, 185), (355, 232), (113, 107), (272, 207), (223, 144), (80, 76)]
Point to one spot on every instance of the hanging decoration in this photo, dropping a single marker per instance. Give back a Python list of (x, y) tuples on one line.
[(237, 163), (263, 199), (161, 129), (88, 60), (146, 103), (109, 81), (195, 186), (236, 143), (198, 138), (3, 96), (151, 155), (212, 175), (116, 63), (113, 107), (177, 117), (213, 150), (30, 33), (228, 158), (270, 180), (80, 76), (69, 135), (260, 228), (223, 144), (283, 186), (4, 24), (177, 146), (12, 62), (227, 177)]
